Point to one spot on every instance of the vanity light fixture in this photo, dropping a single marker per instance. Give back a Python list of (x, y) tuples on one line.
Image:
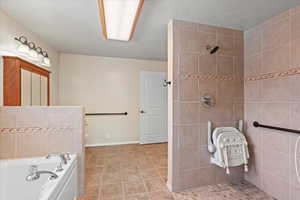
[(23, 48), (119, 18), (29, 50)]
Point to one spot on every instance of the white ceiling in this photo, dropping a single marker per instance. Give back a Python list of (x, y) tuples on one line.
[(72, 26)]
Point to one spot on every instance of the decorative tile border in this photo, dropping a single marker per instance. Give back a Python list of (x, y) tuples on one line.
[(290, 72), (209, 77), (28, 130)]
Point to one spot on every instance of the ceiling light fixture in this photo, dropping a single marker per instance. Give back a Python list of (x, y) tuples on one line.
[(119, 18)]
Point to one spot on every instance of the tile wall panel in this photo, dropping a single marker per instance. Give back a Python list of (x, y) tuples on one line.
[(272, 56), (39, 131), (195, 72)]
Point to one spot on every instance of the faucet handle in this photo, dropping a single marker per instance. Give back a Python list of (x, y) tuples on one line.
[(59, 167), (51, 155), (33, 169), (67, 156), (54, 155)]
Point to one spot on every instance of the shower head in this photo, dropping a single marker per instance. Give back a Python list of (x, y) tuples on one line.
[(212, 50)]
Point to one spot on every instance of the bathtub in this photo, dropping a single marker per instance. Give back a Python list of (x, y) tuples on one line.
[(13, 185)]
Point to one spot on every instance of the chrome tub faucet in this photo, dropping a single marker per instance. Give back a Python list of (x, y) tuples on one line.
[(63, 157), (35, 174)]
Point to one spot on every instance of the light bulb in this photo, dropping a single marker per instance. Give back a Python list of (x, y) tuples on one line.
[(40, 58), (46, 62), (23, 49), (33, 55)]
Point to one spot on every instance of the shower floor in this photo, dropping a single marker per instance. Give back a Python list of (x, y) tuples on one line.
[(237, 191), (139, 172)]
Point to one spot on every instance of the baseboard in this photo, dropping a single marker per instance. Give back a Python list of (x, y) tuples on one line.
[(111, 144), (169, 186)]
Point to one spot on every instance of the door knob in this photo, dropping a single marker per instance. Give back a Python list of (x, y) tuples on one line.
[(142, 111), (166, 83)]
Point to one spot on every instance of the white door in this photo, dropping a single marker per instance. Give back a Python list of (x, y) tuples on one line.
[(153, 108)]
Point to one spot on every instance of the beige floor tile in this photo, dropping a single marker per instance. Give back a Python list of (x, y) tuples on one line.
[(161, 195), (149, 173), (100, 161), (155, 184), (145, 164), (143, 196), (163, 172), (111, 167), (92, 180), (111, 198), (129, 165), (91, 193), (131, 176), (131, 188), (93, 169), (114, 177), (111, 191)]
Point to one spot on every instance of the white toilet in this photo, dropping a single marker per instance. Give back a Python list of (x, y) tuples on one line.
[(228, 147)]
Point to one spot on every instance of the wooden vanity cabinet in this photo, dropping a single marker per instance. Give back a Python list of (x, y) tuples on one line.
[(25, 84)]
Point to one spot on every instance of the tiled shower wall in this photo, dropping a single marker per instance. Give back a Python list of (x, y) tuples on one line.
[(38, 131), (272, 97), (194, 72)]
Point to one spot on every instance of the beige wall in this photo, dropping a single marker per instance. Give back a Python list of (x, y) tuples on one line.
[(272, 88), (1, 81), (103, 84), (10, 29), (38, 131), (194, 73)]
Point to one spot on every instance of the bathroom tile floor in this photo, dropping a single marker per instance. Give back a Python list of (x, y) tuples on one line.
[(139, 172)]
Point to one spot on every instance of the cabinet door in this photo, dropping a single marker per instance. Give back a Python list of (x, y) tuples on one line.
[(35, 89), (25, 88), (44, 91)]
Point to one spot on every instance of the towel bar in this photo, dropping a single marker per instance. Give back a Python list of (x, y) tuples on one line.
[(95, 114), (256, 124)]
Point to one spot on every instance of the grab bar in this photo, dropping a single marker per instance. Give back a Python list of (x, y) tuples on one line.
[(94, 114), (256, 124)]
